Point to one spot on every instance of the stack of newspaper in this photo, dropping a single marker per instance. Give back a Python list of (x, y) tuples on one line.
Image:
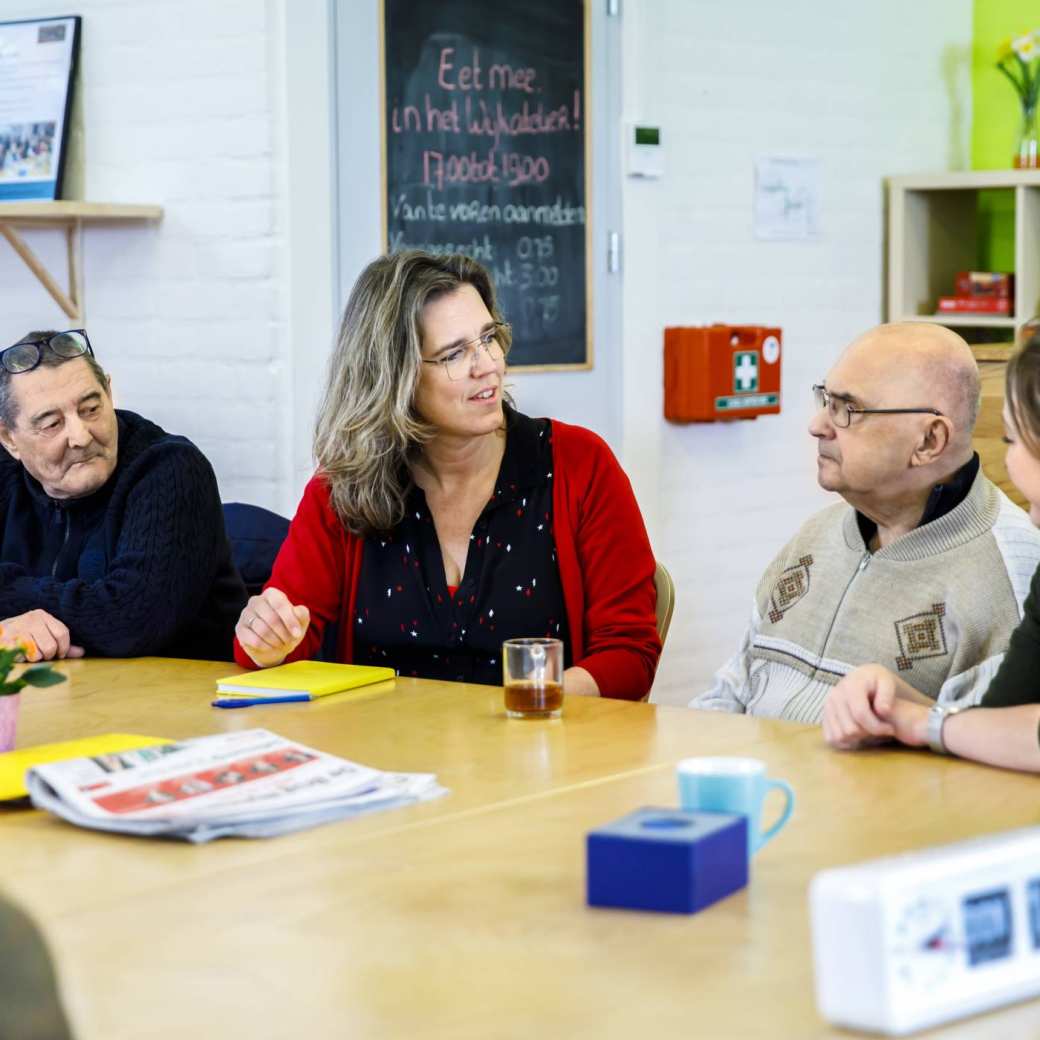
[(250, 784)]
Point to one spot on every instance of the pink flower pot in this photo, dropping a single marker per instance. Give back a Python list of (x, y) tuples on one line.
[(8, 720)]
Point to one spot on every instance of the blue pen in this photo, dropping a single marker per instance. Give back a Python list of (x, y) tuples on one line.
[(248, 702)]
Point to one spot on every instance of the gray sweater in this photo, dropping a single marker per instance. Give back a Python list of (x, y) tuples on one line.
[(936, 606)]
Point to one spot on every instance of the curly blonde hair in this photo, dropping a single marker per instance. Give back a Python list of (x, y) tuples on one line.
[(368, 428)]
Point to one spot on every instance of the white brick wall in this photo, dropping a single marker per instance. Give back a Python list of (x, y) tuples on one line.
[(189, 316), (867, 89)]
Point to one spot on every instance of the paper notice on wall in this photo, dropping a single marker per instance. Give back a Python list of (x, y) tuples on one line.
[(787, 198)]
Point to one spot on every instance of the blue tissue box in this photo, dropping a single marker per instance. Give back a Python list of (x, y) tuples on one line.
[(666, 859)]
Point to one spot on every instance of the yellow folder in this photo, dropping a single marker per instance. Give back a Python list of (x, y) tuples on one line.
[(15, 764), (302, 679)]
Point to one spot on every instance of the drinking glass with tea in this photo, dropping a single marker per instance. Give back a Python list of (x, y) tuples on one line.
[(532, 672)]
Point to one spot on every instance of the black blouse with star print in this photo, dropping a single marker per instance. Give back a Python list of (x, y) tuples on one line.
[(406, 617)]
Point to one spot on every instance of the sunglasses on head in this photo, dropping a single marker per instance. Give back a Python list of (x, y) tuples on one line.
[(24, 357)]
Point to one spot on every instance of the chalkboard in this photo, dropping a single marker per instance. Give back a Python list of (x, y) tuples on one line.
[(484, 134)]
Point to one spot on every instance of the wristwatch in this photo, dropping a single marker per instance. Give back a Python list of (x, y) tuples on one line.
[(937, 715)]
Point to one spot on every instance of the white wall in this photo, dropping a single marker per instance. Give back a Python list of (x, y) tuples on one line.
[(862, 87)]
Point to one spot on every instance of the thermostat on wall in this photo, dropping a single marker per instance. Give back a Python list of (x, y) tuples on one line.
[(643, 151)]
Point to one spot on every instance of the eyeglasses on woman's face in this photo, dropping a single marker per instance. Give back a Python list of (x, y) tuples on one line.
[(840, 410), (458, 359)]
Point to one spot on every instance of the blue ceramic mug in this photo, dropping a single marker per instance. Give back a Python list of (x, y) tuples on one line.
[(733, 785)]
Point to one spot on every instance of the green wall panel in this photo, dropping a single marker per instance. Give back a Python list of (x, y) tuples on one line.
[(995, 118)]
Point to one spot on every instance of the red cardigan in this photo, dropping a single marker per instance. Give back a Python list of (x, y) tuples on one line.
[(606, 568)]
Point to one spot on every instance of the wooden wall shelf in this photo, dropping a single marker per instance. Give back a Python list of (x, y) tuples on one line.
[(933, 232), (69, 216)]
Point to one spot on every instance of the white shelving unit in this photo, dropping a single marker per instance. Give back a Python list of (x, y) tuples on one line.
[(933, 233)]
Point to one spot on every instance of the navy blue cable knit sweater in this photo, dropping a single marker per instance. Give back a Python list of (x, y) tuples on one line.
[(142, 566)]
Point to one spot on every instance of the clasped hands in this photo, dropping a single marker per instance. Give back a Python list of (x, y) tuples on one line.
[(872, 706)]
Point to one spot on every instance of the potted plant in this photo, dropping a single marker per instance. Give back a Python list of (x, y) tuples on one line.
[(10, 689), (1019, 60)]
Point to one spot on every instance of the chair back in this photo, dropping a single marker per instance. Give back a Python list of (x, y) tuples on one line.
[(665, 605), (256, 534), (665, 600), (30, 1004)]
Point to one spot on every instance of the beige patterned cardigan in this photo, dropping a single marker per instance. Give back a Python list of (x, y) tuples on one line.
[(936, 606)]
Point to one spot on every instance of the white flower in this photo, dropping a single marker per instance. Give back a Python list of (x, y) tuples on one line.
[(1025, 46)]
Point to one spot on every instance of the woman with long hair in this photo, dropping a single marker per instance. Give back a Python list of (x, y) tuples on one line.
[(441, 521)]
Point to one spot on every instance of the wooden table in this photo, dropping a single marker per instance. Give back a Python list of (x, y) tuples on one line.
[(462, 917)]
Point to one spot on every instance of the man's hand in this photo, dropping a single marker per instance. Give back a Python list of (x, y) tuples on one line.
[(856, 713), (270, 627), (45, 637)]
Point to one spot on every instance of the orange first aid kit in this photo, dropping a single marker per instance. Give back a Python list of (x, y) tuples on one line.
[(721, 372)]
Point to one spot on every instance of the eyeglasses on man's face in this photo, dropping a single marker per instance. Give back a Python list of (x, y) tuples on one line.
[(458, 359), (840, 411), (24, 357)]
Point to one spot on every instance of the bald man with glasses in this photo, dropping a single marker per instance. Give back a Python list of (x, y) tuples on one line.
[(923, 568), (112, 539)]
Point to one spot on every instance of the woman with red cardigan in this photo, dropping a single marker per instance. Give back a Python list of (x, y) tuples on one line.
[(442, 521)]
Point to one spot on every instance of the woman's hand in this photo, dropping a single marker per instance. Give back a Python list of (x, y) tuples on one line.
[(270, 627), (863, 709), (579, 683), (909, 721), (855, 714)]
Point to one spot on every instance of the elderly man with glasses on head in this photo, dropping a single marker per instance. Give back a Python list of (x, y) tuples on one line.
[(924, 567), (112, 536)]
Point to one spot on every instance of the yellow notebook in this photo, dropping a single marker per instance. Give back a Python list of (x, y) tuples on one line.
[(301, 680), (15, 764)]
